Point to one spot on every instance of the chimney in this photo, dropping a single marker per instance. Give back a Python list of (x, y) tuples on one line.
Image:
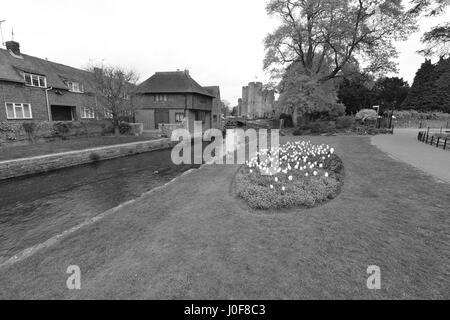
[(186, 71), (14, 47)]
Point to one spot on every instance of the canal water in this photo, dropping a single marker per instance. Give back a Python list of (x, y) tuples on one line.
[(36, 208)]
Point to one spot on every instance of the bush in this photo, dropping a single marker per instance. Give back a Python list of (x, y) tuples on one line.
[(62, 129), (367, 114), (107, 128), (288, 123), (30, 129), (94, 157), (125, 128), (345, 122)]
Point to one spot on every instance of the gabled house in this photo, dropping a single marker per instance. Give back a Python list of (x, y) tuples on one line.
[(172, 98), (34, 89)]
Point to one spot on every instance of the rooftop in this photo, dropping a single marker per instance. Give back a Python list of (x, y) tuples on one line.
[(172, 82), (12, 67)]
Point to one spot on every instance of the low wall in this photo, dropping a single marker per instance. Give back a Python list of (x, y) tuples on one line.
[(14, 132), (28, 166), (167, 129)]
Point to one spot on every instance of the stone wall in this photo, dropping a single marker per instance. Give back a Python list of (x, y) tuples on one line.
[(22, 167), (13, 132), (167, 129)]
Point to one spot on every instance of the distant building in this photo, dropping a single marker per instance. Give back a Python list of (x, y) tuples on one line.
[(256, 102), (172, 98), (34, 89), (217, 107)]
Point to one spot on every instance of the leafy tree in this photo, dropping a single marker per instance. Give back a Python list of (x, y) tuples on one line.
[(319, 41), (326, 35), (356, 93), (431, 88), (437, 40), (419, 96), (226, 108), (305, 98), (114, 88), (390, 92)]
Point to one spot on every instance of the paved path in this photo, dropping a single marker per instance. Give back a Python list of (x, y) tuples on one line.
[(404, 146)]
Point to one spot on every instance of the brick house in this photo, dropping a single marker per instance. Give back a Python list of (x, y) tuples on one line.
[(172, 97), (34, 89)]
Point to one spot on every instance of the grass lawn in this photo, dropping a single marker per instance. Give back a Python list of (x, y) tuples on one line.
[(39, 149), (196, 240)]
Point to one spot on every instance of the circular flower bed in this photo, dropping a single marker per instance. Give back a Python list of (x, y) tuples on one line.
[(304, 176)]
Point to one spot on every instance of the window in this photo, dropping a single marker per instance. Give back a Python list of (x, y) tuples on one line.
[(75, 86), (179, 117), (18, 111), (160, 97), (87, 113), (215, 118), (35, 80)]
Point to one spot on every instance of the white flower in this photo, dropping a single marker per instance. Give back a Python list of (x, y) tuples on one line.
[(276, 179), (326, 174), (316, 173), (283, 189), (291, 178), (271, 186)]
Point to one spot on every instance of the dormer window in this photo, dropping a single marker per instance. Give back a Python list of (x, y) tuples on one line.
[(34, 80), (75, 86)]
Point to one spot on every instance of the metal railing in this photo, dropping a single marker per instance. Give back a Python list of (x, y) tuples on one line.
[(435, 138)]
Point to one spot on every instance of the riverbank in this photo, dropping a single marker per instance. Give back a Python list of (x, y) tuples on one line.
[(44, 163), (194, 240)]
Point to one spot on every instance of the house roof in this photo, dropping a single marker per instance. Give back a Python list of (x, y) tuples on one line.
[(11, 68), (172, 82), (213, 90)]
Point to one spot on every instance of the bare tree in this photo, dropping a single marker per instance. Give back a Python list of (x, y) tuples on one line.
[(114, 89)]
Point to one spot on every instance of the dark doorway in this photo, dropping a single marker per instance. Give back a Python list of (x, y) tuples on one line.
[(63, 113), (161, 117)]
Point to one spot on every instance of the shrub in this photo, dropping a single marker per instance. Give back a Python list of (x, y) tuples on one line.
[(367, 114), (30, 128), (345, 122), (107, 128), (62, 129), (125, 128), (94, 157), (288, 123)]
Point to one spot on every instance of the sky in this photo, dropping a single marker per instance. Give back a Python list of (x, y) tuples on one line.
[(219, 41)]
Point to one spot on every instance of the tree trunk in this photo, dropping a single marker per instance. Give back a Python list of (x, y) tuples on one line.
[(116, 130), (295, 117)]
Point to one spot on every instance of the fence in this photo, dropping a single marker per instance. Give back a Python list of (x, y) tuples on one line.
[(435, 139)]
